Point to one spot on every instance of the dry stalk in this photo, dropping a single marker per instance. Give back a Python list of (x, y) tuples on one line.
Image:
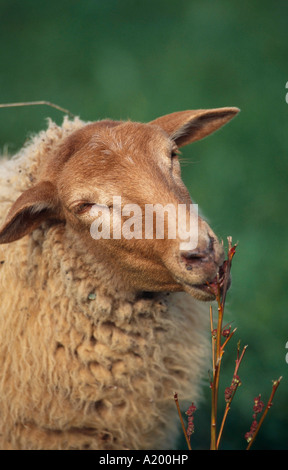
[(37, 103)]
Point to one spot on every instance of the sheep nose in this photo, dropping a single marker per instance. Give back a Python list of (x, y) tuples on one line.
[(195, 256)]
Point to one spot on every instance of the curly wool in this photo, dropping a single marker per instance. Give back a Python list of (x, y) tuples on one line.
[(86, 365)]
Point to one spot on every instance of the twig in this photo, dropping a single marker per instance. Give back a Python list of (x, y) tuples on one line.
[(37, 103), (231, 390), (220, 288), (181, 420), (268, 406), (218, 349), (228, 338), (216, 373), (213, 335)]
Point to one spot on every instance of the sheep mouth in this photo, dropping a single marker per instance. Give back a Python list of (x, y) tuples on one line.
[(221, 280)]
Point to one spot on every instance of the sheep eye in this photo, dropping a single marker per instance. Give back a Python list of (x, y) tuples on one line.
[(174, 153), (83, 207)]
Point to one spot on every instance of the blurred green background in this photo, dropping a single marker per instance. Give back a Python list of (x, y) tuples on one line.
[(139, 60)]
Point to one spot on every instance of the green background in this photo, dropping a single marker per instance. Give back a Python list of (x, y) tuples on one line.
[(127, 59)]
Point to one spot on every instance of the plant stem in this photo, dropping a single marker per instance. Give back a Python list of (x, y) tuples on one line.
[(228, 339), (218, 350), (269, 404), (181, 420), (36, 103), (216, 373), (228, 404), (213, 339)]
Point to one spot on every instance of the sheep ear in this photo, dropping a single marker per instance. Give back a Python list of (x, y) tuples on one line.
[(185, 127), (31, 208)]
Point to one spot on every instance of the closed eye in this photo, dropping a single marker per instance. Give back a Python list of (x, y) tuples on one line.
[(174, 153), (82, 207)]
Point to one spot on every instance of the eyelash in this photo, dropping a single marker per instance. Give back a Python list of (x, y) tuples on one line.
[(83, 207), (174, 153)]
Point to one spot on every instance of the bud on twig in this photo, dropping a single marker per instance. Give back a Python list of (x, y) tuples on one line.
[(250, 436)]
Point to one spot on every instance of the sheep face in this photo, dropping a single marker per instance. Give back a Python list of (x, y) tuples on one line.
[(101, 183)]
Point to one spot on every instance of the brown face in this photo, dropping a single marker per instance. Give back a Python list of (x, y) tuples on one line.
[(141, 170), (104, 177)]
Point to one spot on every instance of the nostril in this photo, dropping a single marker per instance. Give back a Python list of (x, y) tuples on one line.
[(192, 255), (195, 257), (191, 258)]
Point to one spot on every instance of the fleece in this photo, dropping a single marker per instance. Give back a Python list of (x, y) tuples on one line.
[(85, 365)]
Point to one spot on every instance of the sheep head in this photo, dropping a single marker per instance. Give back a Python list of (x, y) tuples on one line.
[(113, 172)]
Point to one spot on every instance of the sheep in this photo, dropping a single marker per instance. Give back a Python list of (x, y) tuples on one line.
[(97, 334)]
